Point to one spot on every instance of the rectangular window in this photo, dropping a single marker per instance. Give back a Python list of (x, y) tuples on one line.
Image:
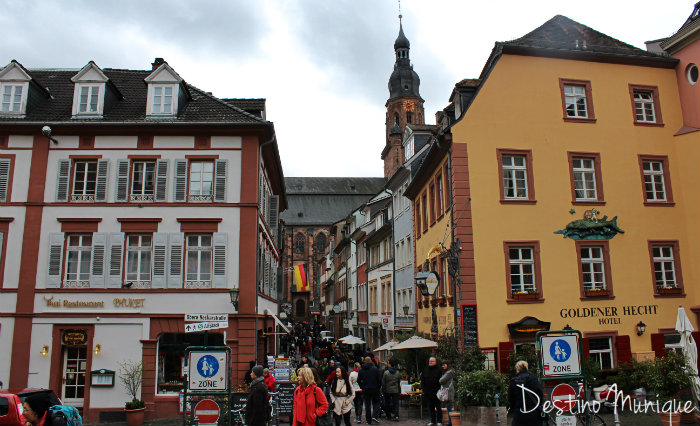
[(593, 268), (586, 178), (201, 180), (424, 212), (645, 105), (199, 261), (88, 100), (143, 180), (170, 354), (577, 100), (656, 180), (516, 175), (600, 349), (419, 224), (78, 260), (522, 269), (11, 98), (139, 255), (672, 342), (433, 216), (162, 100), (439, 194), (666, 267), (490, 358), (84, 181)]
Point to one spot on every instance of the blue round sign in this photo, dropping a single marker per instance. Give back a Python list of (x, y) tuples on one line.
[(560, 350), (207, 366)]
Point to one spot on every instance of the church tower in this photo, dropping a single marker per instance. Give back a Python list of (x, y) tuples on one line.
[(404, 106)]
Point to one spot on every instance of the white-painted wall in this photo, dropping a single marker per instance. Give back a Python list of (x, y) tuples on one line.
[(20, 178), (13, 248), (7, 328)]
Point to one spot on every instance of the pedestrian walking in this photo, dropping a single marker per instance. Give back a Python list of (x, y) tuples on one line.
[(521, 397), (430, 383), (447, 382), (257, 407), (391, 387), (269, 380), (309, 400), (342, 396), (358, 392), (370, 382)]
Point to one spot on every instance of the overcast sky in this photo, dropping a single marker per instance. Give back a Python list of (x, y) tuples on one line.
[(322, 65)]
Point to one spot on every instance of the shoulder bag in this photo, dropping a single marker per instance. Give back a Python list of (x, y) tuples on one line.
[(325, 419)]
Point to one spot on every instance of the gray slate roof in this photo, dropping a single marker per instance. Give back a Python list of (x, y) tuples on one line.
[(131, 107), (325, 201)]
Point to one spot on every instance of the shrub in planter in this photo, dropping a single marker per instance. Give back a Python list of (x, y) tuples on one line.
[(478, 388), (667, 376), (134, 405)]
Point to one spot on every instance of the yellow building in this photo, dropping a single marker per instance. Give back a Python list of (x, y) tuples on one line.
[(570, 131)]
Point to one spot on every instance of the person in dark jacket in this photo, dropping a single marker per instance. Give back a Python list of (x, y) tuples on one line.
[(391, 387), (257, 408), (247, 377), (525, 386), (430, 383), (370, 382), (35, 410)]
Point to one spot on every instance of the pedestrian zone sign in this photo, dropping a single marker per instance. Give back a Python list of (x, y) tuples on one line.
[(207, 371), (560, 355)]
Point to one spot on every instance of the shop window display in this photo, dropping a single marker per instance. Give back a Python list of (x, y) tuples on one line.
[(171, 351)]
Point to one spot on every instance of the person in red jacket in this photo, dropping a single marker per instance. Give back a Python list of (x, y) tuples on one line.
[(269, 380), (309, 400)]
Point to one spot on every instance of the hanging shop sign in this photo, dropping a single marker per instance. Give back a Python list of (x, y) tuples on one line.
[(74, 337)]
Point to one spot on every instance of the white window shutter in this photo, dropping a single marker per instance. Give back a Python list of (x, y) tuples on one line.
[(4, 178), (175, 269), (101, 184), (266, 269), (53, 276), (220, 259), (122, 193), (97, 272), (160, 252), (161, 180), (220, 176), (116, 260), (180, 192), (273, 216), (62, 179)]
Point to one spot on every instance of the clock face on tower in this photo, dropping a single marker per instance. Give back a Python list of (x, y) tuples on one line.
[(408, 105)]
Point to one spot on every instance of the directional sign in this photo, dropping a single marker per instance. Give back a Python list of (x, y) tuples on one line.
[(560, 355), (206, 317), (202, 326), (207, 371), (207, 411), (564, 397)]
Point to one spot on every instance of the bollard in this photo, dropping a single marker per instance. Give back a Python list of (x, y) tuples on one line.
[(498, 414)]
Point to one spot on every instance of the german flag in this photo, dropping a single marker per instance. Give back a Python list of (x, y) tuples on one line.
[(300, 278)]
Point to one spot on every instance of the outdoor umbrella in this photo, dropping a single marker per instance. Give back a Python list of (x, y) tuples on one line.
[(386, 346), (414, 343), (342, 339), (353, 340), (690, 350)]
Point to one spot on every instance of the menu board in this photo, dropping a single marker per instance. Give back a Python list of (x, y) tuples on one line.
[(238, 401), (286, 398), (469, 329)]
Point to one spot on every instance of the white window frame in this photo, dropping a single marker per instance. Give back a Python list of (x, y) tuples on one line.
[(83, 251), (594, 266), (644, 106), (514, 173), (162, 102), (521, 263), (653, 178), (201, 195), (573, 94), (673, 345), (85, 195), (664, 263), (13, 101), (199, 250), (140, 250), (157, 90), (99, 100), (598, 354), (141, 194), (582, 173)]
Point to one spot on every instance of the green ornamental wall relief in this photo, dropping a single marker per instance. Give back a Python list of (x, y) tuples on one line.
[(591, 227)]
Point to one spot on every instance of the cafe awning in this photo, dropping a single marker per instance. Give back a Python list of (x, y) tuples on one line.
[(278, 321)]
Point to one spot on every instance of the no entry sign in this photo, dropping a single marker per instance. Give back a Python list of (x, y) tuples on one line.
[(564, 397), (207, 411)]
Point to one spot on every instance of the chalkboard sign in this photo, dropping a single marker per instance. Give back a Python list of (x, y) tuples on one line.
[(469, 329), (238, 401), (286, 398)]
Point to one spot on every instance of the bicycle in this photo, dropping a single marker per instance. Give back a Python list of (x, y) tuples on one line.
[(240, 415), (583, 418)]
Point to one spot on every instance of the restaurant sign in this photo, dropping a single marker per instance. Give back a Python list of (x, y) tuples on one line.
[(74, 337), (609, 314)]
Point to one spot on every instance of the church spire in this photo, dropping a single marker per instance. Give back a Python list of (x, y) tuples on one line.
[(403, 81)]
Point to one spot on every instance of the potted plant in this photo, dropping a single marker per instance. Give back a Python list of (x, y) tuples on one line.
[(476, 395), (597, 292), (669, 290), (131, 376), (667, 377), (530, 294)]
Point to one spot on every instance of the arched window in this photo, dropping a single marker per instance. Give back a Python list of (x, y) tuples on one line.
[(299, 243), (301, 308), (396, 118), (321, 242), (409, 118)]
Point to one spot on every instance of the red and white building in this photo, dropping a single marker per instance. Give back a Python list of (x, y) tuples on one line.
[(147, 199)]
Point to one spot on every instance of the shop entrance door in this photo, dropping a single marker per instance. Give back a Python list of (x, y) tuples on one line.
[(74, 366)]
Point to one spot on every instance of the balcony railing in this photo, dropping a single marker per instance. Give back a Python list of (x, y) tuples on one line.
[(76, 283), (197, 284), (84, 198), (141, 197)]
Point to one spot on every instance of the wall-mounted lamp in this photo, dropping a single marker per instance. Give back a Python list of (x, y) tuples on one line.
[(641, 328), (98, 349), (46, 131), (233, 293), (45, 350)]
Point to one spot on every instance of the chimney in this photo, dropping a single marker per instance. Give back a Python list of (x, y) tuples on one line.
[(156, 63)]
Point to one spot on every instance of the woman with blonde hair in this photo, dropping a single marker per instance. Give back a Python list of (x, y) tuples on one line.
[(309, 400)]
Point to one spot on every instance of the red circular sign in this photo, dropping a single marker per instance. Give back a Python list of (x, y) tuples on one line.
[(207, 411), (564, 397)]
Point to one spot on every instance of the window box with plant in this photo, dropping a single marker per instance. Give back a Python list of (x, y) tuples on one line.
[(530, 294), (597, 292), (669, 290)]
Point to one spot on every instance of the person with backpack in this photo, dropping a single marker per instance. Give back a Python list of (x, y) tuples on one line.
[(391, 387), (257, 408), (38, 411), (525, 387)]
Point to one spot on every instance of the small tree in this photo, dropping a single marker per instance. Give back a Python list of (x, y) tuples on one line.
[(526, 353), (131, 376)]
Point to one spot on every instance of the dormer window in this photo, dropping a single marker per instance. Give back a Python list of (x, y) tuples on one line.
[(89, 92), (14, 85), (89, 99), (12, 96), (162, 100), (165, 92)]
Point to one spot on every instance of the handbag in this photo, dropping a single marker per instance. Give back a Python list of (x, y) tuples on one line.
[(325, 419), (443, 394)]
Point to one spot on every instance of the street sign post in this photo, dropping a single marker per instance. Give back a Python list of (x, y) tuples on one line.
[(207, 371), (204, 326), (564, 397), (560, 355), (207, 411), (207, 394), (206, 317)]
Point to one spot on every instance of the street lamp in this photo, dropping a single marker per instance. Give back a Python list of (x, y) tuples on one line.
[(427, 282), (233, 293)]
